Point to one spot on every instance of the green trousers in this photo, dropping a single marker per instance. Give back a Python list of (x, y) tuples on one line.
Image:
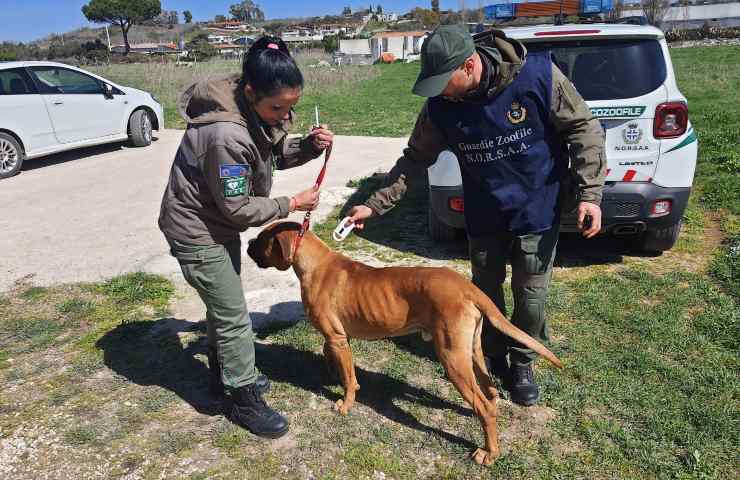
[(213, 270), (531, 257)]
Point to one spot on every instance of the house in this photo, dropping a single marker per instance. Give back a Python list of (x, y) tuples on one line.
[(401, 44), (235, 25), (301, 34), (230, 50), (219, 39), (148, 48), (244, 41), (354, 52), (382, 17), (360, 46)]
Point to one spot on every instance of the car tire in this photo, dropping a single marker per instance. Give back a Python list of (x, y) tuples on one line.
[(438, 230), (11, 156), (658, 240), (140, 128)]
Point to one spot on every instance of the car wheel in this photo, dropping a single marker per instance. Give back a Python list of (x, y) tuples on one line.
[(438, 230), (658, 240), (11, 156), (140, 128)]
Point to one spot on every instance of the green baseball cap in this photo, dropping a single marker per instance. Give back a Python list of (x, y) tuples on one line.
[(441, 54)]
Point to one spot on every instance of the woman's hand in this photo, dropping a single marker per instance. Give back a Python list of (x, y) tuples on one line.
[(321, 137), (305, 201)]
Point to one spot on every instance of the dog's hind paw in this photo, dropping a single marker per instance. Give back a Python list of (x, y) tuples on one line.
[(484, 457)]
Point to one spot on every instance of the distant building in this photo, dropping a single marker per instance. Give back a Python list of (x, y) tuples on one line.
[(230, 50), (301, 34), (694, 16), (234, 25), (401, 44), (244, 41), (148, 48), (219, 39), (382, 17)]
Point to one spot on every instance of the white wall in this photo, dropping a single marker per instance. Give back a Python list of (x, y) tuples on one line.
[(355, 47), (694, 12)]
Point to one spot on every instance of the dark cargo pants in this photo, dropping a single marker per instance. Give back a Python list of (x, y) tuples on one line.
[(213, 270), (531, 257)]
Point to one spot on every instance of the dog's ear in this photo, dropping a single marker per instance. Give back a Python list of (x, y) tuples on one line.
[(285, 242)]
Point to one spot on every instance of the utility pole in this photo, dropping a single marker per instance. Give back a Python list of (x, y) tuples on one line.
[(107, 35)]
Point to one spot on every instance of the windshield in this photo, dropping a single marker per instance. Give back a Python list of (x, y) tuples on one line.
[(609, 69)]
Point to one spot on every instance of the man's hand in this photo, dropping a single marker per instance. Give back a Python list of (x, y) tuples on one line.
[(593, 211), (358, 214), (321, 137)]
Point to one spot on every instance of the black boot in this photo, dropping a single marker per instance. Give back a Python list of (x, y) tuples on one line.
[(523, 388), (251, 412), (216, 385)]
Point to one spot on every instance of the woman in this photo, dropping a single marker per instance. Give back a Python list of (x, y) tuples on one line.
[(219, 185)]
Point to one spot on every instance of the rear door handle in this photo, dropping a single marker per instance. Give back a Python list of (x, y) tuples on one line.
[(59, 103)]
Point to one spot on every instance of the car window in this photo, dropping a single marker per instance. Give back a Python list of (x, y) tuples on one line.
[(609, 69), (62, 80), (15, 81)]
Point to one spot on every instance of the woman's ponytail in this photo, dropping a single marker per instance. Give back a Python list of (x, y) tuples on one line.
[(269, 68)]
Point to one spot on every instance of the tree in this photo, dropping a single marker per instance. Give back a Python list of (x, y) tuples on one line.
[(435, 6), (428, 18), (330, 43), (247, 11), (219, 18), (347, 11), (188, 16), (616, 12), (655, 10), (123, 13), (379, 10), (199, 47)]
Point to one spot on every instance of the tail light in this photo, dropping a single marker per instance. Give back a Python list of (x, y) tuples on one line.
[(456, 204), (671, 120)]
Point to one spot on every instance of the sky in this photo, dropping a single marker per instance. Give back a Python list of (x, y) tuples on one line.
[(26, 20)]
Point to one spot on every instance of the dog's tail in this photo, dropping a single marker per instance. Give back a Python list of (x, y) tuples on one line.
[(502, 324)]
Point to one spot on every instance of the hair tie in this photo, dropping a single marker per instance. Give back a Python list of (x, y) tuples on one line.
[(273, 46)]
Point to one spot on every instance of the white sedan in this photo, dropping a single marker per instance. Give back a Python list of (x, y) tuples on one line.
[(48, 107)]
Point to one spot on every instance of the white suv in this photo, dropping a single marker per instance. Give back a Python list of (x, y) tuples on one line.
[(624, 73), (49, 107)]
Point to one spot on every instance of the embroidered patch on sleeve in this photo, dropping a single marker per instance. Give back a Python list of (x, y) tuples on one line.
[(235, 186), (232, 170)]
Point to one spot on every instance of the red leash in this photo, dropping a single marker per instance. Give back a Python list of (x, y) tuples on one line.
[(307, 218)]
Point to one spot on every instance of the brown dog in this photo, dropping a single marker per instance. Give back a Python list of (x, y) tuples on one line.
[(346, 299)]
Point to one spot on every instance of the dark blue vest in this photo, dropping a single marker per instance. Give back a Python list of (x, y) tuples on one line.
[(509, 153)]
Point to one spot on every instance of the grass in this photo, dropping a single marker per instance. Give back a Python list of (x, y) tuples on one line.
[(167, 81)]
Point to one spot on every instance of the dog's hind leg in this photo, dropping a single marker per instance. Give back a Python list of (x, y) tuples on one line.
[(479, 366), (457, 357), (339, 354)]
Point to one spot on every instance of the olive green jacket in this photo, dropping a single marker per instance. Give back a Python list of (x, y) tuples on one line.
[(221, 177), (581, 134)]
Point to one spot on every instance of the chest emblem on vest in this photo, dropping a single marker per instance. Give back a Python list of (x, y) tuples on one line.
[(517, 114)]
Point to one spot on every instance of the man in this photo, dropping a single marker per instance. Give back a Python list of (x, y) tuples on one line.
[(514, 121)]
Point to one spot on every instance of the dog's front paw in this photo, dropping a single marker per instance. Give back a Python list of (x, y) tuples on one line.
[(484, 457), (340, 407)]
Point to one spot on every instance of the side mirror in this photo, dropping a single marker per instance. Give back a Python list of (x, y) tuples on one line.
[(107, 91)]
